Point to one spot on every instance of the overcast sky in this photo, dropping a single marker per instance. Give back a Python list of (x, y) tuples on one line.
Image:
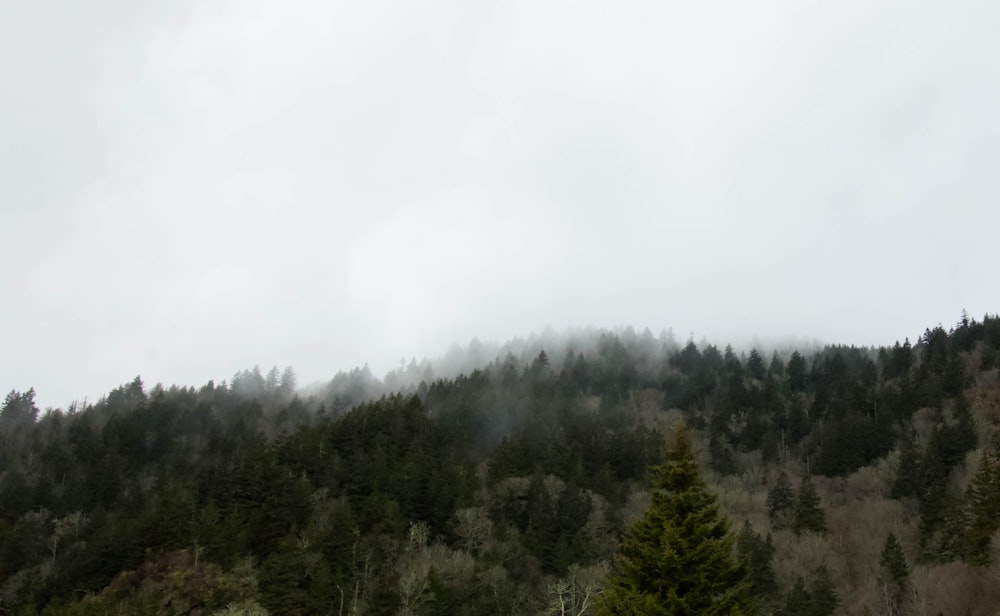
[(191, 188)]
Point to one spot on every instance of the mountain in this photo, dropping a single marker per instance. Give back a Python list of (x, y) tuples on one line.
[(848, 481)]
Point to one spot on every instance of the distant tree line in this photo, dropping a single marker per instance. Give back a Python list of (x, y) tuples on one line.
[(836, 481)]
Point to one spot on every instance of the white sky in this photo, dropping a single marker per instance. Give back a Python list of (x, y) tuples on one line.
[(191, 188)]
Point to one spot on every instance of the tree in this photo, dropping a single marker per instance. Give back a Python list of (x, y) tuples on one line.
[(894, 575), (781, 501), (755, 366), (777, 367), (893, 561), (932, 495), (796, 370), (797, 601), (757, 555), (983, 502), (678, 558), (809, 516), (957, 438), (907, 481), (574, 594), (823, 597), (289, 382), (19, 409)]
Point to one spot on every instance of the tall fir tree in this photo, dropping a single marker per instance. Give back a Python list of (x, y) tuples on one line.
[(755, 366), (894, 574), (823, 596), (893, 562), (933, 498), (781, 502), (809, 515), (797, 601), (796, 371), (982, 504), (757, 554), (907, 481), (678, 558)]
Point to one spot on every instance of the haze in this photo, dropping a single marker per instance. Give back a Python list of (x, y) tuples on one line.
[(192, 188)]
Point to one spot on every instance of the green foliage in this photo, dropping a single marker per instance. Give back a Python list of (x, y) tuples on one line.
[(809, 515), (678, 559), (893, 562), (721, 457), (853, 441), (818, 598), (907, 482), (781, 502), (798, 378), (958, 437), (777, 369), (823, 596), (755, 366), (757, 555), (933, 499), (894, 572), (982, 500), (308, 500), (797, 601), (18, 410), (170, 583)]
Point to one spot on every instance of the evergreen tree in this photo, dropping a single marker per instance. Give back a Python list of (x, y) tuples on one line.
[(809, 515), (988, 359), (755, 366), (798, 421), (777, 368), (721, 457), (757, 555), (796, 370), (781, 501), (797, 601), (902, 358), (894, 574), (678, 559), (893, 561), (907, 481), (933, 496), (18, 409), (823, 597), (982, 502), (958, 437)]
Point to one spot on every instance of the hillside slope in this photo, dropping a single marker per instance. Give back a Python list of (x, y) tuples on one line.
[(870, 477)]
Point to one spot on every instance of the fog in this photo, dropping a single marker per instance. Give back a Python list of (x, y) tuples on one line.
[(190, 189)]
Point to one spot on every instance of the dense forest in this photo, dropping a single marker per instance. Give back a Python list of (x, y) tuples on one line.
[(607, 472)]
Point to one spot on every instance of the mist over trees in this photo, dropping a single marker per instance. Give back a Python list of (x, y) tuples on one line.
[(527, 478)]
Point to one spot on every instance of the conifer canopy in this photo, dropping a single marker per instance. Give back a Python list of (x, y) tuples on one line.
[(678, 558)]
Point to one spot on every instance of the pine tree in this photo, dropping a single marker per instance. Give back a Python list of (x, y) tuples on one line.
[(893, 561), (959, 437), (797, 602), (777, 368), (823, 597), (796, 371), (678, 559), (894, 574), (755, 366), (809, 515), (982, 502), (757, 555), (907, 481), (781, 501), (933, 497), (798, 421)]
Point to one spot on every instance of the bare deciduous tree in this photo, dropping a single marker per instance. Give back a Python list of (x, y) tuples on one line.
[(574, 594)]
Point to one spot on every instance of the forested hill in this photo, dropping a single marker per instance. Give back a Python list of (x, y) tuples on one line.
[(854, 481)]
